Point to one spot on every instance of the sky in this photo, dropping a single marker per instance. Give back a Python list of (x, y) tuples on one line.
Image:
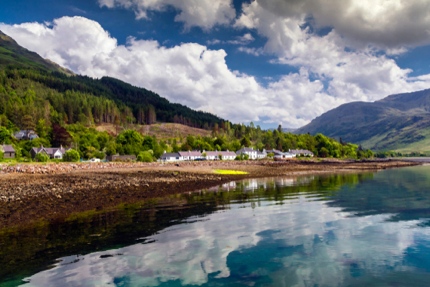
[(268, 62)]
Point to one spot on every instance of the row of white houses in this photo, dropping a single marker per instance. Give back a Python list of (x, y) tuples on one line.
[(229, 155)]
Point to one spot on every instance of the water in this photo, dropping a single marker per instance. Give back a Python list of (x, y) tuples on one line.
[(369, 229)]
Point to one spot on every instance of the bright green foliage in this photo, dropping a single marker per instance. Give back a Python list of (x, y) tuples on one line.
[(43, 129), (63, 108), (71, 155), (145, 156), (110, 148), (245, 142), (41, 157), (129, 142), (242, 157), (27, 145), (5, 136)]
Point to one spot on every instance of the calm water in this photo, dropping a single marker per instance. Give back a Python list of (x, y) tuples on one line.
[(369, 229)]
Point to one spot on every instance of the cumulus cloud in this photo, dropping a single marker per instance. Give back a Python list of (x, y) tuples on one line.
[(198, 13), (199, 77), (352, 69), (188, 73), (387, 24)]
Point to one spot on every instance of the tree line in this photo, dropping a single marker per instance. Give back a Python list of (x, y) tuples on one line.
[(64, 109)]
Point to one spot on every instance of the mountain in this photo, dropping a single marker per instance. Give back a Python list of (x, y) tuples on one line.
[(12, 54), (398, 122), (32, 88)]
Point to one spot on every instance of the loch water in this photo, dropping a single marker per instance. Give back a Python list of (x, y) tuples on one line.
[(365, 229)]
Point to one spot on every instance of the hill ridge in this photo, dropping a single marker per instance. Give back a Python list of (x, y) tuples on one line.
[(398, 122), (104, 100)]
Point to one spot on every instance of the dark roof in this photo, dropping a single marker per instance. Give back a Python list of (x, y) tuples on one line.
[(25, 134), (8, 148), (49, 150)]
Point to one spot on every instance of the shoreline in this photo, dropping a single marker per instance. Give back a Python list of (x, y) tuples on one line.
[(55, 191)]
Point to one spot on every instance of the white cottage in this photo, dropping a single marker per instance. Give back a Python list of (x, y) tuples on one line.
[(251, 152), (171, 157), (223, 155), (190, 155)]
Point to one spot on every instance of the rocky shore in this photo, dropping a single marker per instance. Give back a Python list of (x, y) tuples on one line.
[(31, 192)]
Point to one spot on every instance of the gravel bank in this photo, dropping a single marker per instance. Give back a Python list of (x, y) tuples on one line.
[(30, 192)]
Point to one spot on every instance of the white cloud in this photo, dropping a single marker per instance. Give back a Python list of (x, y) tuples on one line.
[(386, 24), (199, 13), (189, 73), (198, 77), (352, 70), (242, 40), (251, 51), (239, 40)]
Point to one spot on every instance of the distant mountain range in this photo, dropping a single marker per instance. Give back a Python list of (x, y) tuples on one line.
[(398, 122)]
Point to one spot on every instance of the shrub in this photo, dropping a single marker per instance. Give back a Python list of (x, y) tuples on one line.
[(71, 155), (41, 157), (144, 156), (242, 156)]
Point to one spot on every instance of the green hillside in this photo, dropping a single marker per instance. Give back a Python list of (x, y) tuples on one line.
[(13, 55), (398, 122), (102, 117), (32, 88)]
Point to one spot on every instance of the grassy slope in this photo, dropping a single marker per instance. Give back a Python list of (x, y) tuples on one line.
[(160, 130)]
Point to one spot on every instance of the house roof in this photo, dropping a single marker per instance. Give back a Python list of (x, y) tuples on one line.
[(190, 153), (8, 148), (169, 155), (49, 150), (301, 151), (246, 149), (25, 134), (223, 153)]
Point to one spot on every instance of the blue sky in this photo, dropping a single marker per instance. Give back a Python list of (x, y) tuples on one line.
[(271, 62)]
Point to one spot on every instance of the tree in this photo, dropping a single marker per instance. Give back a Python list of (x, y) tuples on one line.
[(151, 116), (42, 129), (41, 157), (323, 152), (5, 136), (145, 156), (71, 155), (245, 142), (111, 148), (129, 142), (60, 136), (27, 123)]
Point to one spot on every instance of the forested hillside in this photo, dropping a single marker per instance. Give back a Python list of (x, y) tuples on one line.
[(32, 87), (64, 110)]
